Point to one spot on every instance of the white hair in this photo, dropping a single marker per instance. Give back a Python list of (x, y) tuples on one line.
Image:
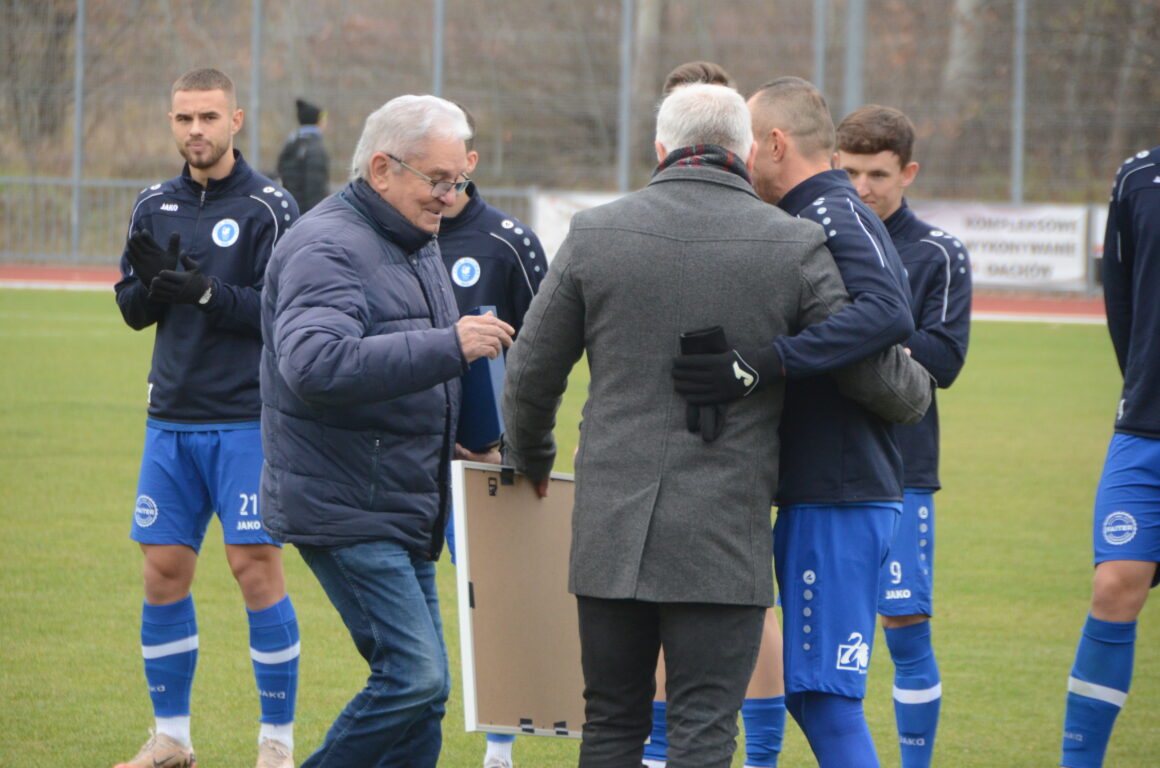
[(403, 125), (701, 113)]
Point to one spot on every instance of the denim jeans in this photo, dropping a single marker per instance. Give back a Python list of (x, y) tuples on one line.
[(386, 597)]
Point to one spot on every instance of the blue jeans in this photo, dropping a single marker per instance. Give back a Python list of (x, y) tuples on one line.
[(386, 597)]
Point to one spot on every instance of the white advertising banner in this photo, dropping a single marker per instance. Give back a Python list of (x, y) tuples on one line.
[(1032, 246), (1015, 246), (554, 211)]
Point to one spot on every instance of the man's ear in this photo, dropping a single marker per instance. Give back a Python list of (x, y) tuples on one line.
[(236, 121), (379, 172), (661, 153), (472, 161), (909, 172), (752, 159), (778, 144)]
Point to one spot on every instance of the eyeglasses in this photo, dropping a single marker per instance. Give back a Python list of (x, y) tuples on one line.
[(438, 188)]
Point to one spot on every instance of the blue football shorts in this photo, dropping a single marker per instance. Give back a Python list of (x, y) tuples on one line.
[(1126, 523), (827, 560), (188, 476), (906, 582)]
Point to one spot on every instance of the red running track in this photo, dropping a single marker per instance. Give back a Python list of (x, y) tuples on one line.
[(986, 304)]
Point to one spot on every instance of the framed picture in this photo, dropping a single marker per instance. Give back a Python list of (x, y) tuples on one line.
[(518, 633)]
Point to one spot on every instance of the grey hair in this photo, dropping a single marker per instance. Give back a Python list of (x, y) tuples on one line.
[(403, 125), (705, 114)]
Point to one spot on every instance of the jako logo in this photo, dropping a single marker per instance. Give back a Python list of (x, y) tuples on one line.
[(272, 694), (169, 207), (912, 741), (897, 594), (854, 656), (249, 525)]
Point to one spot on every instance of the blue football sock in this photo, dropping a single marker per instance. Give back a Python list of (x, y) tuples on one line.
[(1096, 690), (657, 747), (764, 728), (917, 692), (835, 727), (274, 651), (169, 647)]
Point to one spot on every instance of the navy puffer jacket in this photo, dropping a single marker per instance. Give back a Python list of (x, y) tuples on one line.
[(359, 378)]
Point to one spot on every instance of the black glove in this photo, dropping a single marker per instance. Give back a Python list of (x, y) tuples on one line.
[(708, 420), (725, 376), (147, 258), (188, 287)]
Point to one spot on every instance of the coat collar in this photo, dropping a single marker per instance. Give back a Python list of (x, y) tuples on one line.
[(384, 218)]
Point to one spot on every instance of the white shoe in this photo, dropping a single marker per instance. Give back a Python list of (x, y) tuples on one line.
[(496, 762), (274, 754), (162, 751)]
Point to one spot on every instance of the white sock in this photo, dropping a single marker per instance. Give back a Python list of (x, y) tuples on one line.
[(653, 763), (499, 749), (283, 733), (176, 728)]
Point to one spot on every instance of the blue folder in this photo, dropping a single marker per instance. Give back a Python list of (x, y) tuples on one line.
[(480, 419)]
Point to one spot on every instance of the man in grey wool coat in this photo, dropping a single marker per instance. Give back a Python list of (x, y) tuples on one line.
[(671, 535)]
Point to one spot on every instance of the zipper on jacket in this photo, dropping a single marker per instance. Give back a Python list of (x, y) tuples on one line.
[(374, 481)]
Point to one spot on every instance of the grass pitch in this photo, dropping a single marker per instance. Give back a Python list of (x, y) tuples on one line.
[(1024, 432)]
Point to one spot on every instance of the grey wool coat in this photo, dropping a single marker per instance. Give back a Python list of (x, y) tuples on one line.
[(659, 514)]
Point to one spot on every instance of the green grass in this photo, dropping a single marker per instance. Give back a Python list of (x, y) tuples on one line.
[(1024, 431)]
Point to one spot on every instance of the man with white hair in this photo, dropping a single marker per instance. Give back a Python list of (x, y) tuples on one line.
[(362, 354), (671, 536)]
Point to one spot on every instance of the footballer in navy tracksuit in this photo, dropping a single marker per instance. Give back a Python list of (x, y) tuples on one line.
[(203, 453), (875, 148), (840, 489), (1126, 528)]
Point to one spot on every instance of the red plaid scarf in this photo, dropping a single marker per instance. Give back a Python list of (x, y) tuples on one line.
[(705, 155)]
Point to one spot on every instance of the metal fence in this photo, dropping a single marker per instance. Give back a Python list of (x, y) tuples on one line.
[(1031, 101), (36, 217)]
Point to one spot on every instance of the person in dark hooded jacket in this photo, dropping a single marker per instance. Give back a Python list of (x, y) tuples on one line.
[(303, 164)]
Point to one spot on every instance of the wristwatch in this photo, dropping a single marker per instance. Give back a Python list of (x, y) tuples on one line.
[(205, 297)]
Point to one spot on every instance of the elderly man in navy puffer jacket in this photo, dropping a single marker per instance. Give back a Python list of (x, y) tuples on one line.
[(362, 354)]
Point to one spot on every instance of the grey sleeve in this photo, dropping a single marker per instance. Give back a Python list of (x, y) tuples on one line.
[(890, 384), (549, 344)]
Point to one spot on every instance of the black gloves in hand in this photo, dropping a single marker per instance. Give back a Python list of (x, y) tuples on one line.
[(188, 287), (707, 420), (722, 377), (147, 258)]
